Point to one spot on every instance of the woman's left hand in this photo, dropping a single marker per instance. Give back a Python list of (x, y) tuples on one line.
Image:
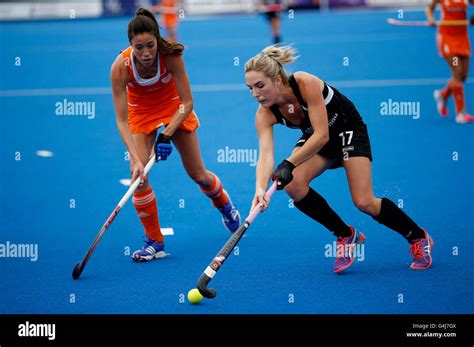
[(163, 147)]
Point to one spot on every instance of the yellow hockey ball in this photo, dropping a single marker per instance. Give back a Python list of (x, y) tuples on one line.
[(194, 296)]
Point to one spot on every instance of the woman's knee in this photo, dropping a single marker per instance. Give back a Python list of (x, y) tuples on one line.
[(458, 74), (200, 177), (296, 189), (366, 203)]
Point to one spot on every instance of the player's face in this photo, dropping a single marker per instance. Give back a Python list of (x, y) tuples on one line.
[(145, 48), (263, 89)]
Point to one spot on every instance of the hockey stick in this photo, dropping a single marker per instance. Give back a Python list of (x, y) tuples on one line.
[(76, 273), (220, 258), (426, 23)]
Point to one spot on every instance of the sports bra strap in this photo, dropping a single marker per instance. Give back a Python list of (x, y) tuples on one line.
[(296, 90)]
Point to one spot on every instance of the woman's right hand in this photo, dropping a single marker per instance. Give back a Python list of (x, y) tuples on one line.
[(262, 198), (430, 18), (137, 170)]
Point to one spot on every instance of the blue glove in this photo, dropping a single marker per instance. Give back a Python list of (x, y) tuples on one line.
[(163, 147)]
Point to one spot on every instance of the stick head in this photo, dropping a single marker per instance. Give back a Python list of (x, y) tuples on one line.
[(76, 273), (203, 281), (209, 293)]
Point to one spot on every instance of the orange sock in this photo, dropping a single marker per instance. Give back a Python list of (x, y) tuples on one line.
[(446, 92), (457, 89), (215, 192), (145, 204)]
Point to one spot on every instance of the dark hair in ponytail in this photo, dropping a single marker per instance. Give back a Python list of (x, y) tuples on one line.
[(145, 22)]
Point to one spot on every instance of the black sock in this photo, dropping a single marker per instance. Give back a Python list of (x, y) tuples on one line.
[(393, 217), (276, 39), (316, 207)]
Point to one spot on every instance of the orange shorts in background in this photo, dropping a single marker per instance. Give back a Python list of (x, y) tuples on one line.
[(170, 20), (453, 45)]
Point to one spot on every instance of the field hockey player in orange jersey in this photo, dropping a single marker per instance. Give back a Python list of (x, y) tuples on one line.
[(151, 90), (453, 45)]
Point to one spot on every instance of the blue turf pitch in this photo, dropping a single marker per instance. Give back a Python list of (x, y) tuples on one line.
[(282, 265)]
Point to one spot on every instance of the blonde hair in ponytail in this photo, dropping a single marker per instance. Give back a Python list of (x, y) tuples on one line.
[(271, 60)]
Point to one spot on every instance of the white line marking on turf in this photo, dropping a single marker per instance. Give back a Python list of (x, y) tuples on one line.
[(57, 91), (125, 181), (167, 231), (45, 154), (205, 88)]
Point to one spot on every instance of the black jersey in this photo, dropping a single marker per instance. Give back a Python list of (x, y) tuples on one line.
[(348, 136), (341, 111)]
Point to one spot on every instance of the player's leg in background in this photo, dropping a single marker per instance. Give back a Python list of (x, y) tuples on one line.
[(188, 147), (441, 97), (465, 117), (171, 25), (459, 66), (170, 19), (275, 23), (146, 206)]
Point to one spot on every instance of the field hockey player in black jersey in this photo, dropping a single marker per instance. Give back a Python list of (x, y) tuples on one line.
[(333, 135)]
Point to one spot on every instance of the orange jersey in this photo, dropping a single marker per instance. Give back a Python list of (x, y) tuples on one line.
[(453, 10), (453, 40), (152, 102)]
